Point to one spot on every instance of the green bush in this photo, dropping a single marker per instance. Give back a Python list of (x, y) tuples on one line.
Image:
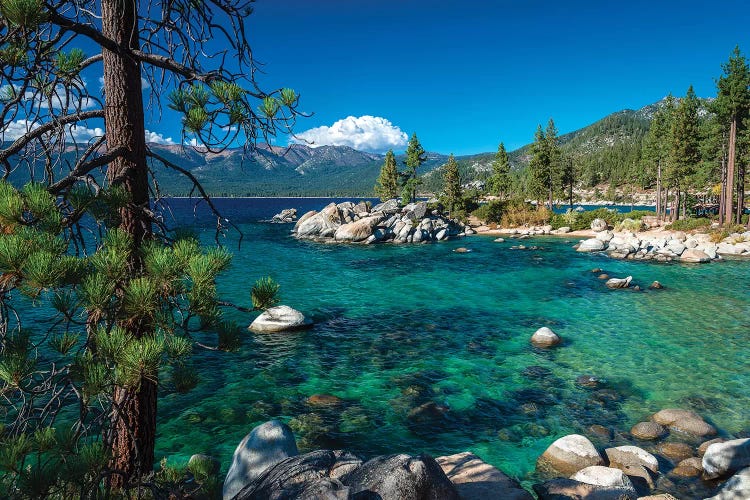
[(491, 212), (689, 224)]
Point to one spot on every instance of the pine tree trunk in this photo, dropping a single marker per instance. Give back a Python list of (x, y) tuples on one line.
[(658, 191), (131, 438), (740, 193), (728, 205), (723, 194)]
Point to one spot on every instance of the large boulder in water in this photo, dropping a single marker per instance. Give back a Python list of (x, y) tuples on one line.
[(600, 475), (592, 245), (325, 221), (568, 455), (544, 337), (477, 480), (694, 255), (722, 459), (619, 282), (266, 445), (278, 319), (684, 421), (400, 476), (358, 230)]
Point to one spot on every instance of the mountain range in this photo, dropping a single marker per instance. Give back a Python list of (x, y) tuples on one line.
[(301, 170)]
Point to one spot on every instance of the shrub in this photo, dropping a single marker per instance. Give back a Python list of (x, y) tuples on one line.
[(491, 212), (629, 225), (689, 224), (519, 213)]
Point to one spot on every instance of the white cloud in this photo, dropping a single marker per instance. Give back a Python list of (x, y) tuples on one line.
[(16, 129), (158, 138), (82, 133), (366, 133)]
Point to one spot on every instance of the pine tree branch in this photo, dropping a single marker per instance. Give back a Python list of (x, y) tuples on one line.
[(82, 169), (39, 131)]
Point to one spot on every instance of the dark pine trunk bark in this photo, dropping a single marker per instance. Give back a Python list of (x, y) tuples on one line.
[(728, 205), (658, 191), (723, 194), (740, 193), (131, 438)]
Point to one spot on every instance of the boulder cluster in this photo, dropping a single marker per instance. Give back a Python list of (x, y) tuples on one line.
[(385, 222), (285, 216), (678, 453), (675, 246), (267, 464)]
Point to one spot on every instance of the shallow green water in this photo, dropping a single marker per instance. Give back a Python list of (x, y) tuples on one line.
[(399, 326)]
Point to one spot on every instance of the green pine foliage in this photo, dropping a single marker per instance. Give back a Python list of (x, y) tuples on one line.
[(386, 186), (415, 157), (451, 185), (172, 294), (499, 181)]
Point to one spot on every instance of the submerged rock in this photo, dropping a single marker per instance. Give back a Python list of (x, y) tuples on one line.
[(544, 337), (279, 319), (684, 421), (648, 431), (615, 283), (624, 456), (477, 480), (266, 445)]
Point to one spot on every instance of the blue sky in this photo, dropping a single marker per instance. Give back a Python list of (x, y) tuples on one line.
[(466, 75)]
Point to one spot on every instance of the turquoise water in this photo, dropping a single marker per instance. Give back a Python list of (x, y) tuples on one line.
[(397, 327)]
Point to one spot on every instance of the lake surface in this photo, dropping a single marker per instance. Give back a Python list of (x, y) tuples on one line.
[(397, 327)]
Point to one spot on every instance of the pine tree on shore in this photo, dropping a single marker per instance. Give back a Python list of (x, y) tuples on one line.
[(415, 157), (386, 186), (499, 181), (451, 184), (732, 104), (684, 148)]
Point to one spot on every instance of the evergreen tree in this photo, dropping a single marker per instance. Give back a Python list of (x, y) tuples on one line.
[(538, 178), (451, 184), (685, 147), (554, 156), (387, 184), (415, 157), (499, 181), (655, 155), (568, 178), (732, 103), (544, 166), (129, 278)]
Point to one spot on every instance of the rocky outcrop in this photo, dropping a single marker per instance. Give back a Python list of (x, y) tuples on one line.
[(477, 480), (279, 319), (544, 337), (599, 475), (598, 225), (285, 216), (266, 445), (669, 246), (385, 222), (568, 455), (722, 459)]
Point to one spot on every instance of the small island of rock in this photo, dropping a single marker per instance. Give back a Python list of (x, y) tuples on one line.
[(385, 222)]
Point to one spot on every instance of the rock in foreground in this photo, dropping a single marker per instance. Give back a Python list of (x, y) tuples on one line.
[(266, 445), (279, 319), (477, 480), (544, 337)]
